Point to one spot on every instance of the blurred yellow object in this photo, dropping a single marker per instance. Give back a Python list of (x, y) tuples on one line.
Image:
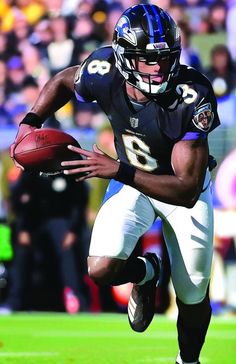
[(65, 115), (32, 12), (99, 17), (6, 16)]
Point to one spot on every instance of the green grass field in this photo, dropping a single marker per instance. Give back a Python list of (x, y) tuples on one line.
[(104, 339)]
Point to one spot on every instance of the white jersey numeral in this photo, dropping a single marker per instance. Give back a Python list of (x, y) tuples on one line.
[(189, 95), (100, 67), (138, 153)]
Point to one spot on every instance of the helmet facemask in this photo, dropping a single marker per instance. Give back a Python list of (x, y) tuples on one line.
[(127, 63), (146, 33)]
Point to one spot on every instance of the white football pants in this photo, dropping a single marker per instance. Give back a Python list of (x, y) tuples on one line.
[(126, 214)]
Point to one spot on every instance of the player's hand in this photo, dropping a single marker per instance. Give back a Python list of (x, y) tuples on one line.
[(23, 130), (95, 164)]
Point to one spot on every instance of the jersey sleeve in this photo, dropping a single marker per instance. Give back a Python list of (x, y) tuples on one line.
[(94, 76), (204, 117), (81, 84)]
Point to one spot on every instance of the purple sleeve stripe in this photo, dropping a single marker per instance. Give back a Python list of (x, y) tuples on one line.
[(194, 135), (79, 98)]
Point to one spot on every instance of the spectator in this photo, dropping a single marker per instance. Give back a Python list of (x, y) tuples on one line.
[(114, 12), (222, 72), (231, 29), (178, 13), (18, 37), (48, 211), (217, 17), (14, 83), (53, 7), (85, 39), (30, 91), (32, 10), (215, 20), (196, 11), (34, 66), (14, 98), (61, 44), (84, 7), (189, 55), (83, 116), (16, 74), (41, 37)]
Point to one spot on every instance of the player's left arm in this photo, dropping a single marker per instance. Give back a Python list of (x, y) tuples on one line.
[(189, 161)]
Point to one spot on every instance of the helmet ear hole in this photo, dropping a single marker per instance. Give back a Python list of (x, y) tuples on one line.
[(147, 33)]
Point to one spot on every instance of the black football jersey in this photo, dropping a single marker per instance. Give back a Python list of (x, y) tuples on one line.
[(146, 133)]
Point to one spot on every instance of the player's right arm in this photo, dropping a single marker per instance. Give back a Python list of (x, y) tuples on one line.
[(55, 94)]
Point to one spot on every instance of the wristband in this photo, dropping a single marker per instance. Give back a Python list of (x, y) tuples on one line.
[(125, 173), (32, 119)]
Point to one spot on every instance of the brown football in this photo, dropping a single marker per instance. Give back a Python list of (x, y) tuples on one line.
[(44, 149)]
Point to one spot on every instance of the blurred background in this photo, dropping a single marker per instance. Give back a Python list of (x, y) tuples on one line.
[(45, 223)]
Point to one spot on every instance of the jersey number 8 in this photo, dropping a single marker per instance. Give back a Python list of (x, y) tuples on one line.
[(100, 67)]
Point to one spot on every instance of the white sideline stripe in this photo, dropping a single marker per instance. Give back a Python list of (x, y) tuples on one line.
[(10, 354)]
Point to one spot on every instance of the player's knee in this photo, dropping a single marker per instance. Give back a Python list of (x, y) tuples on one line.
[(194, 293), (103, 270)]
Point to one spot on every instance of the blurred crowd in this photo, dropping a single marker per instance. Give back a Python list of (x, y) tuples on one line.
[(39, 38)]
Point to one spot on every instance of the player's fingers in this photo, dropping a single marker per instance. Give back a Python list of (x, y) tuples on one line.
[(83, 162), (80, 170), (97, 150), (87, 153), (83, 178)]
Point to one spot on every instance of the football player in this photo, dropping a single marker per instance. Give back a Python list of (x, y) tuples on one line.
[(154, 106)]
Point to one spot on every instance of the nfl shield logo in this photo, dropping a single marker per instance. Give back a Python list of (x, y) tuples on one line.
[(134, 122)]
